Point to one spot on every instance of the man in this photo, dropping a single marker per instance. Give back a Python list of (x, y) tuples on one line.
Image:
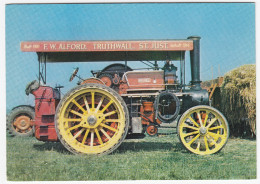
[(169, 67)]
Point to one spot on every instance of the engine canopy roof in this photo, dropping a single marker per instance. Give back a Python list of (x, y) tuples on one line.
[(124, 50)]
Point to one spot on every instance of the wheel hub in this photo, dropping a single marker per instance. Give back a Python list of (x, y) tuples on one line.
[(23, 123), (203, 130), (152, 130), (92, 120)]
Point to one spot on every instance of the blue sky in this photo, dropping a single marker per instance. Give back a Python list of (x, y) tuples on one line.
[(227, 31)]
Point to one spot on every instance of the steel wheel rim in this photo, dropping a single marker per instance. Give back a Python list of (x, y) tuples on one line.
[(88, 128), (201, 138)]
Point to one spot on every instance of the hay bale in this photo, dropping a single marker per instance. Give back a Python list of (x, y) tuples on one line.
[(238, 100)]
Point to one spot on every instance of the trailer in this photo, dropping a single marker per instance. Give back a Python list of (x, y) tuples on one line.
[(97, 115)]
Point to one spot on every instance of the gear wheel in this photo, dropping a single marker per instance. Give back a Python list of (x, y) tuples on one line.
[(152, 130), (107, 79)]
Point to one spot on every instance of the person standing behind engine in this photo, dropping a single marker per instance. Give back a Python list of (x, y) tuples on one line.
[(170, 72)]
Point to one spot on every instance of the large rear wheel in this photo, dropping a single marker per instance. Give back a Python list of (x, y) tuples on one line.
[(203, 130), (91, 119)]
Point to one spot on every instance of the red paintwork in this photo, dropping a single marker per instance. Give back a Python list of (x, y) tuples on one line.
[(122, 87), (148, 106), (92, 80), (101, 46), (145, 80), (147, 110), (46, 101)]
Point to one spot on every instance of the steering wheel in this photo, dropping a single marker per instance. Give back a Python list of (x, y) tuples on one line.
[(74, 74)]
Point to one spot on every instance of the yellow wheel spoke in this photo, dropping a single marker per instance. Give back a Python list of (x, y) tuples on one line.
[(85, 136), (109, 113), (212, 140), (211, 122), (206, 118), (91, 138), (86, 103), (99, 104), (206, 143), (198, 147), (79, 132), (194, 139), (98, 136), (109, 103), (104, 132), (190, 127), (74, 127), (76, 113), (113, 120), (215, 136), (93, 99), (71, 119), (198, 113), (191, 133), (217, 127), (108, 127), (194, 122), (79, 106)]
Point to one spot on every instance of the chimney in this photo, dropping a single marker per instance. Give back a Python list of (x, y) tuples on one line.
[(195, 63)]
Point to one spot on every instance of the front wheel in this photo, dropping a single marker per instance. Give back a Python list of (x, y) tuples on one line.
[(91, 119), (203, 130)]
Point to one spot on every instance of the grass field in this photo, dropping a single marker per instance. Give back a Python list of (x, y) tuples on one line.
[(151, 158)]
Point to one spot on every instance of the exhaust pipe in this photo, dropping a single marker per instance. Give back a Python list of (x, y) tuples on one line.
[(195, 63)]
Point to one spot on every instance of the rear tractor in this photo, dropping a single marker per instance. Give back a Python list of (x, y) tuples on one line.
[(97, 115)]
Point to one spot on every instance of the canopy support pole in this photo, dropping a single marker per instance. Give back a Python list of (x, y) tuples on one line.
[(42, 58), (126, 61)]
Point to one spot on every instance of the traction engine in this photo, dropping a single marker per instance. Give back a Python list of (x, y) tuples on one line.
[(119, 102)]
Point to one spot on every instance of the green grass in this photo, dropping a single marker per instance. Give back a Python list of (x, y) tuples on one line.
[(151, 158)]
